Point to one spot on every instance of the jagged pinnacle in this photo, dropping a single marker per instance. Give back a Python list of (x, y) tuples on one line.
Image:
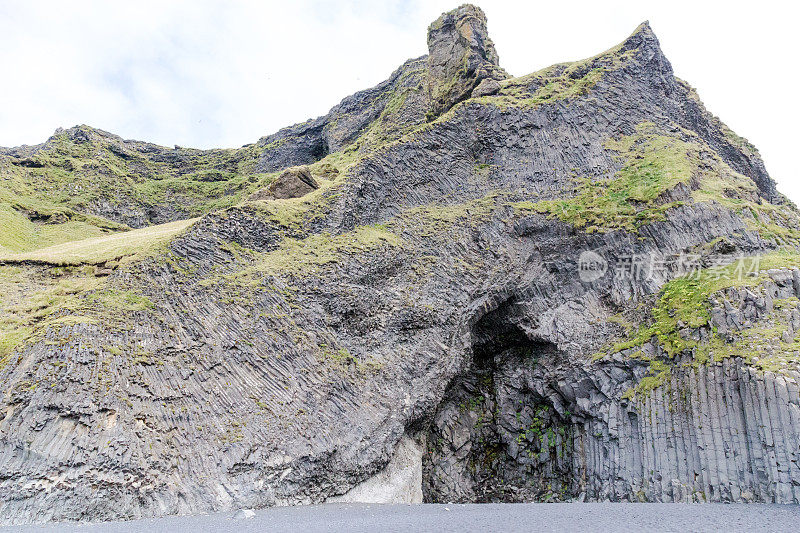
[(460, 56)]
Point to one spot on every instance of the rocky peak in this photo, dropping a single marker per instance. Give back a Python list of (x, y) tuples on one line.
[(460, 56), (650, 59), (642, 35)]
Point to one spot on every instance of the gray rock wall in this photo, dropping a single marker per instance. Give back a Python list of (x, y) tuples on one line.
[(248, 385)]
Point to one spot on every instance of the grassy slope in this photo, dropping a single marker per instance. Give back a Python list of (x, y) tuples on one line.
[(101, 249), (47, 190), (20, 234), (67, 290)]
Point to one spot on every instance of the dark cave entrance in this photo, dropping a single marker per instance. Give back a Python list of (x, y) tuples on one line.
[(496, 437)]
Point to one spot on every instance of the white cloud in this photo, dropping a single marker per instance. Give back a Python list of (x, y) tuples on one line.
[(223, 73)]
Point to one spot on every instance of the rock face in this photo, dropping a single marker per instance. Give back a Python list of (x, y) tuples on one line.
[(429, 321), (293, 182), (486, 87), (461, 55)]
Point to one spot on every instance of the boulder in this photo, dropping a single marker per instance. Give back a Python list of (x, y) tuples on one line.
[(486, 87), (293, 182)]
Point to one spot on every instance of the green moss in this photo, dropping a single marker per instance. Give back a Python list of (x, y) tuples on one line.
[(684, 304), (652, 165), (342, 360), (544, 87), (114, 350), (761, 346), (29, 224), (9, 340), (239, 252), (660, 373), (119, 300), (392, 123), (202, 196), (64, 177), (305, 255)]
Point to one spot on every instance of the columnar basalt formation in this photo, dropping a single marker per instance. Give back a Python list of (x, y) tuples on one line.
[(421, 323), (461, 56)]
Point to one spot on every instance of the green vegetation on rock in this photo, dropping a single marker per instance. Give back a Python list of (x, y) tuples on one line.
[(684, 304), (652, 165), (34, 302), (307, 255), (48, 191), (558, 82)]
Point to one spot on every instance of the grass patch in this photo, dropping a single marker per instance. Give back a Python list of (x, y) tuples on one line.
[(106, 248), (321, 249), (653, 164)]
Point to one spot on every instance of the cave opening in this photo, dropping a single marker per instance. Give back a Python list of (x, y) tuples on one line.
[(495, 437)]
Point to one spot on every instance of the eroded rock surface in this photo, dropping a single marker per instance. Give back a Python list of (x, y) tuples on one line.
[(461, 56), (293, 182)]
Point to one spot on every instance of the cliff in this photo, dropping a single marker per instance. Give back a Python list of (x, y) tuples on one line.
[(575, 284)]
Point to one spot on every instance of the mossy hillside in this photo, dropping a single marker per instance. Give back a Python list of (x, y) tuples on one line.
[(684, 302), (76, 168), (304, 257), (652, 164), (134, 245), (32, 218), (292, 215), (308, 256), (295, 255), (196, 197), (558, 82), (778, 223), (35, 301), (719, 184), (20, 234)]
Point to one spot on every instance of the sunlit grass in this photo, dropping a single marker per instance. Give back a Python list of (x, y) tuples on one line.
[(101, 249)]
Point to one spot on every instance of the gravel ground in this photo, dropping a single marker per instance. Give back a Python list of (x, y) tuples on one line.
[(472, 517)]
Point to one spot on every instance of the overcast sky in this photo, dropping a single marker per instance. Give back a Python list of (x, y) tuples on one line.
[(224, 73)]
